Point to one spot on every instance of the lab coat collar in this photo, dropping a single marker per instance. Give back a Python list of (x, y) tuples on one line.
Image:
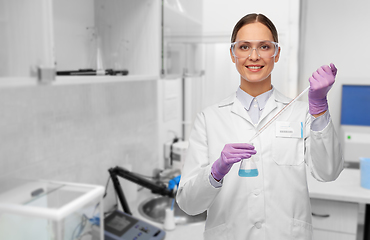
[(247, 99), (279, 97), (237, 107), (276, 95)]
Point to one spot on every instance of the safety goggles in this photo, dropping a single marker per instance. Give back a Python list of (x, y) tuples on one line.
[(264, 48)]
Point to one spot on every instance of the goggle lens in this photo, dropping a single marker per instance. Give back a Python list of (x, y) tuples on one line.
[(264, 49)]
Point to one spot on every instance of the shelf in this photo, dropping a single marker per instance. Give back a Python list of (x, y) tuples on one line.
[(71, 80), (97, 34)]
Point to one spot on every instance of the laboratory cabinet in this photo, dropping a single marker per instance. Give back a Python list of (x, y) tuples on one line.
[(56, 41), (340, 207), (51, 41), (68, 41), (116, 38), (182, 32), (26, 42), (334, 219)]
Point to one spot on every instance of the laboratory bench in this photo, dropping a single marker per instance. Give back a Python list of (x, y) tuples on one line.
[(336, 207)]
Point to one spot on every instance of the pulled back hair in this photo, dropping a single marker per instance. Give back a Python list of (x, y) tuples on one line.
[(253, 18)]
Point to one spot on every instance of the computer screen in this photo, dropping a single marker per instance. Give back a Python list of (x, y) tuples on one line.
[(355, 108)]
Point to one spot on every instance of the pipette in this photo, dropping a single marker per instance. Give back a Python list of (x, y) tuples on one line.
[(248, 167), (278, 114)]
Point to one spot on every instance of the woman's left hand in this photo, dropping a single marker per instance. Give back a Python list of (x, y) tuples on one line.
[(321, 82)]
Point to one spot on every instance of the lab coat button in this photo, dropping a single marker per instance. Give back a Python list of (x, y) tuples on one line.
[(256, 192), (258, 225)]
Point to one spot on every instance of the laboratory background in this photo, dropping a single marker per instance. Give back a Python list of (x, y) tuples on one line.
[(92, 91)]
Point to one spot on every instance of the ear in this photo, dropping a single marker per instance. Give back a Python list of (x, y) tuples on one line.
[(232, 56), (277, 56)]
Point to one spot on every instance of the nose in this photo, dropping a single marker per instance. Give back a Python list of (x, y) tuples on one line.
[(254, 54)]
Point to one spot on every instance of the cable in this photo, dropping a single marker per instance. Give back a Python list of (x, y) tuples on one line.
[(80, 226), (83, 235), (94, 220), (106, 187), (105, 194)]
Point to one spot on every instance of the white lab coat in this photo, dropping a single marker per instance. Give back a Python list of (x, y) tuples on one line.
[(273, 205)]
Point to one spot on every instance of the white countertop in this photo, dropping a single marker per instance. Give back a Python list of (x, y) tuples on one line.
[(346, 188)]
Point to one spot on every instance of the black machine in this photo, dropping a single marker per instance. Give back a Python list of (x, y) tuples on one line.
[(122, 225), (121, 172)]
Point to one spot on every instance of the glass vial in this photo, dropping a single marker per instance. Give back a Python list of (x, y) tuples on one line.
[(248, 168)]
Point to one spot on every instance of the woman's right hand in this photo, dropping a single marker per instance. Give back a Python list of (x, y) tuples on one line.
[(232, 153)]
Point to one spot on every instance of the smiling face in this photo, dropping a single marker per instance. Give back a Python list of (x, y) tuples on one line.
[(254, 69)]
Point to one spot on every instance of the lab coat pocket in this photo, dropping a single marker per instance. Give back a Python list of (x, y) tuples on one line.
[(219, 232), (301, 230), (288, 151)]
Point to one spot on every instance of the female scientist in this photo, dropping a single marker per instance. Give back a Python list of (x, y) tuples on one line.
[(275, 204)]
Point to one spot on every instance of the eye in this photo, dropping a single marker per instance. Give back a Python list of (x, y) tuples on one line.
[(244, 47), (265, 47)]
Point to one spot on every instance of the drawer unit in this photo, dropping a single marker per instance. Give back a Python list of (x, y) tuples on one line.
[(334, 219), (327, 235)]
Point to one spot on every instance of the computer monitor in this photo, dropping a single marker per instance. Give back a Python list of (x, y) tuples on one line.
[(355, 122)]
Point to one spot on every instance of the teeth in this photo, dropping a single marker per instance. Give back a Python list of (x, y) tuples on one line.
[(254, 67)]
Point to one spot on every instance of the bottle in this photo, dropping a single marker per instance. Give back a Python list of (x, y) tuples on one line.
[(248, 167), (169, 220)]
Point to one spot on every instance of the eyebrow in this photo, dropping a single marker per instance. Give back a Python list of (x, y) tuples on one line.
[(250, 41)]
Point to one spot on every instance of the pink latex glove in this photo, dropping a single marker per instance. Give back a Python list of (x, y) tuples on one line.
[(232, 153), (320, 83)]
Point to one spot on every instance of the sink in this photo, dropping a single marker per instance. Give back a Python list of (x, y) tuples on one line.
[(154, 209)]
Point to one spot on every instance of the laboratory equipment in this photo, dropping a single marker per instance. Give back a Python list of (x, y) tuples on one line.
[(278, 114), (248, 167), (44, 210), (154, 209), (355, 122), (91, 72), (169, 219), (174, 153), (122, 226), (121, 172), (365, 172)]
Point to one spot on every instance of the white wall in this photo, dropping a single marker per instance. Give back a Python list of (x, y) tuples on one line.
[(219, 17), (335, 31)]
